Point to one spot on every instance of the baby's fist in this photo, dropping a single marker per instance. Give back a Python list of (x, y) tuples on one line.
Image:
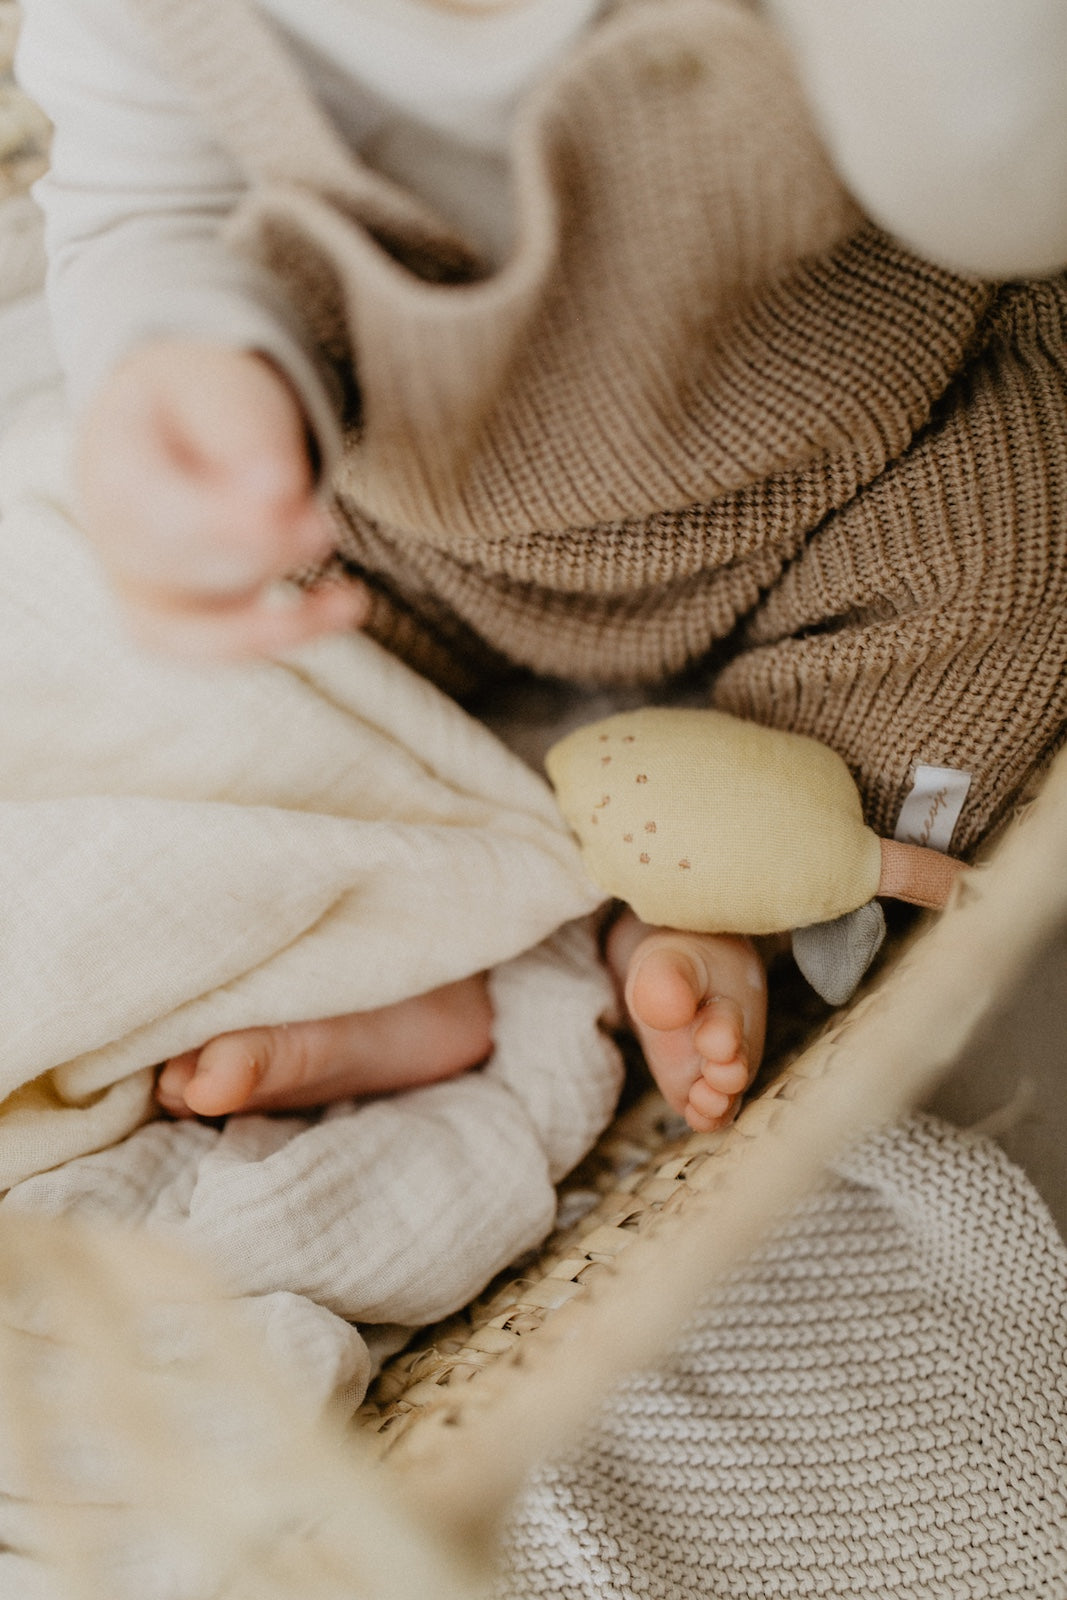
[(196, 489)]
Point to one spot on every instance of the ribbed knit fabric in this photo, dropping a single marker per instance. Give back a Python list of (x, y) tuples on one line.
[(702, 407), (875, 1406)]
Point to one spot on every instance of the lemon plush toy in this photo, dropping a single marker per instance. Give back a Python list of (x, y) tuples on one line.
[(701, 821)]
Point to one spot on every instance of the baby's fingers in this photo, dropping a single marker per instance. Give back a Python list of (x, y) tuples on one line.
[(270, 622)]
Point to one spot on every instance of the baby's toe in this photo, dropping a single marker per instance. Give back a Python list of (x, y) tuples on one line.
[(174, 1078), (730, 1078), (720, 1032), (707, 1107), (228, 1070), (665, 983)]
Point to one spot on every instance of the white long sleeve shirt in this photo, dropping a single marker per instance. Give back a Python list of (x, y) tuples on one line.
[(138, 187), (947, 117)]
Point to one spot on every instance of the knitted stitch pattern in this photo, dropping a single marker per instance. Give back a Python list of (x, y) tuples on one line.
[(702, 406), (875, 1405)]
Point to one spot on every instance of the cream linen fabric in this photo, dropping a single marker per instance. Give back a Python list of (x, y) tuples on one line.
[(185, 851)]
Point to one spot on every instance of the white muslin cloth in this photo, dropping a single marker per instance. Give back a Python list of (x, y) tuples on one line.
[(186, 851)]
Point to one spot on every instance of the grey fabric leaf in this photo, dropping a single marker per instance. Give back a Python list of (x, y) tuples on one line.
[(833, 956)]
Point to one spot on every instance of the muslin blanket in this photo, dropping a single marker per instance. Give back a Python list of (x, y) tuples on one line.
[(185, 851)]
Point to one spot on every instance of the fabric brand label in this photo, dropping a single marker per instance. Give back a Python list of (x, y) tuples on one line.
[(932, 809)]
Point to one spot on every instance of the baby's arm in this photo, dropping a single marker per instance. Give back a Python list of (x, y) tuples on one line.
[(948, 119), (193, 384)]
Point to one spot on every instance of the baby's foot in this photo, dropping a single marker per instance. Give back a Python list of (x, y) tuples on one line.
[(417, 1041), (698, 1004)]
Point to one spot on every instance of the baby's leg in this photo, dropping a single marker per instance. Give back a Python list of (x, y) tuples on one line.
[(698, 1005), (417, 1041)]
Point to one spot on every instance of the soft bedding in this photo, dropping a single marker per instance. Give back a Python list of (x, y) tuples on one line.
[(186, 851)]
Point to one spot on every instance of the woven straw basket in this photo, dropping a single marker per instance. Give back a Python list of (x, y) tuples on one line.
[(409, 1505)]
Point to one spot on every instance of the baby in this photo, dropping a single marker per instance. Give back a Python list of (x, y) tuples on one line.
[(208, 415)]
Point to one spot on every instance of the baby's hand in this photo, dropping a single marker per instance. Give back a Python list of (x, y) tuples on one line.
[(197, 491)]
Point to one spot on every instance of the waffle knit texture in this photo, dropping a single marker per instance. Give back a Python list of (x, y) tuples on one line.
[(703, 412), (874, 1405)]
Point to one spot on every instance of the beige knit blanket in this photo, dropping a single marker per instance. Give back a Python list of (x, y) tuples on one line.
[(875, 1406)]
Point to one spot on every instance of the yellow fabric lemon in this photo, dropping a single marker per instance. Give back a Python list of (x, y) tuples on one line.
[(700, 820)]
